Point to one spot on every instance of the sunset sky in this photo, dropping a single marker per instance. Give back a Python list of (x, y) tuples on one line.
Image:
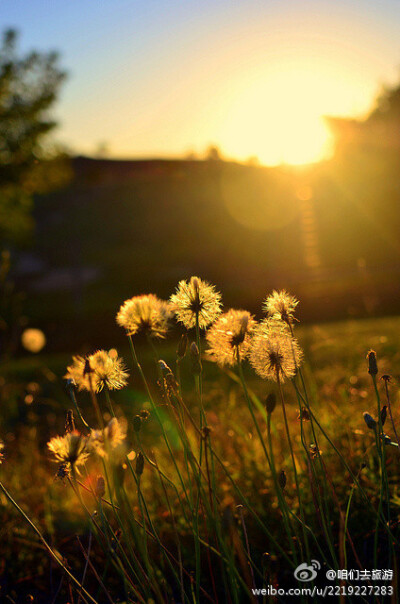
[(166, 77)]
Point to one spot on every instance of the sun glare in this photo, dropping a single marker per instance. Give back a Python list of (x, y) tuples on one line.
[(296, 139), (278, 117)]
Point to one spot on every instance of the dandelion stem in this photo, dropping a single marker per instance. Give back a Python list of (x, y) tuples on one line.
[(293, 462), (282, 501), (390, 413), (75, 403), (381, 447), (155, 410), (203, 422), (109, 402)]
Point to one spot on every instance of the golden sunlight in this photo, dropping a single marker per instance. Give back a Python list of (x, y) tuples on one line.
[(278, 115), (297, 139)]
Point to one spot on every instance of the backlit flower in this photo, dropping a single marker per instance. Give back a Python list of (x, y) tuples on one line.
[(196, 298), (146, 314), (112, 437), (70, 450), (282, 305), (104, 369), (275, 354), (230, 335)]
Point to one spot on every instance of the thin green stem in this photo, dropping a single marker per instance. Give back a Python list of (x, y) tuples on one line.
[(54, 556), (268, 457), (72, 396), (301, 509)]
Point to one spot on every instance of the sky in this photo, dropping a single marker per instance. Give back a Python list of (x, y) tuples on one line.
[(167, 78)]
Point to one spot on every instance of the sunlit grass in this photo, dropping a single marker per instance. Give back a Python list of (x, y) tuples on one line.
[(206, 498)]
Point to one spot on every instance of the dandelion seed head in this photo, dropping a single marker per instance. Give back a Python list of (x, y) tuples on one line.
[(109, 369), (70, 450), (281, 305), (230, 335), (196, 298), (102, 369), (274, 352), (33, 339), (145, 314), (111, 438), (115, 432), (75, 373)]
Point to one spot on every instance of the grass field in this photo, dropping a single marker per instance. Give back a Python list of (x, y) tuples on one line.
[(213, 512)]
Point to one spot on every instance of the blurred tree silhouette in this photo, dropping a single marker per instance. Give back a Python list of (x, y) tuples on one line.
[(28, 164), (213, 153), (377, 133), (388, 104)]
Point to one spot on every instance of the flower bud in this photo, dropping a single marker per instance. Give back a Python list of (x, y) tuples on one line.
[(369, 420), (137, 423), (383, 414), (372, 364), (100, 489), (270, 402), (195, 358), (171, 384), (139, 464), (182, 346)]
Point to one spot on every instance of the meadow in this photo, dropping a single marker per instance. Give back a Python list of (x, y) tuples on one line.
[(202, 465), (166, 438)]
